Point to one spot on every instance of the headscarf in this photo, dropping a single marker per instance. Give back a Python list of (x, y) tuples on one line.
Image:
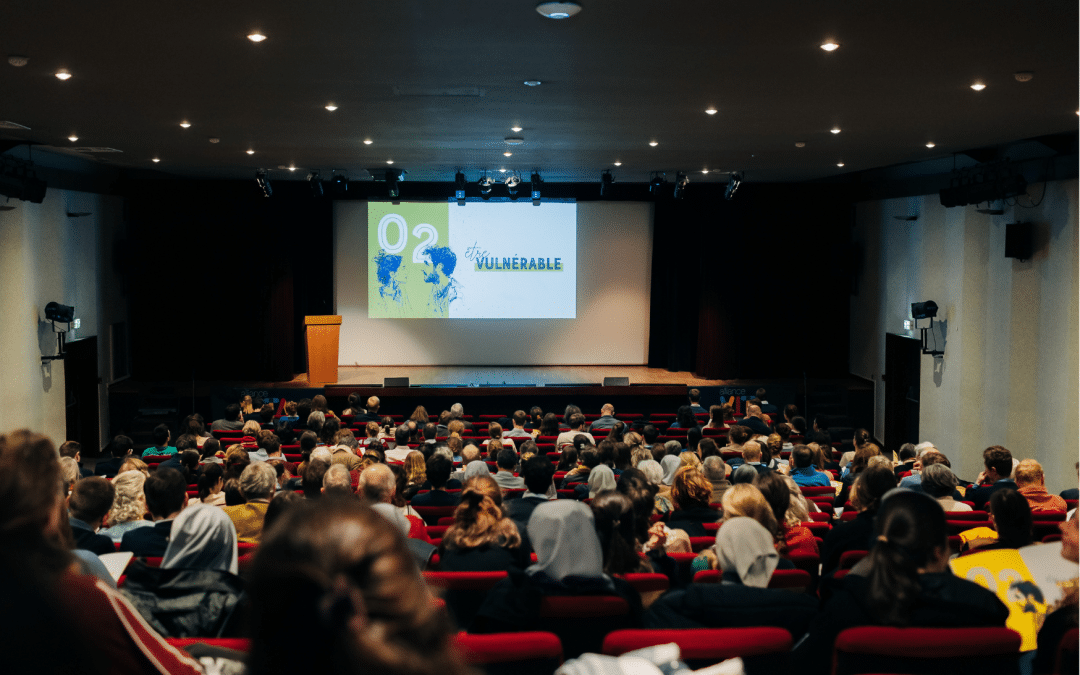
[(745, 547), (564, 538), (475, 468), (670, 464), (654, 473), (601, 479), (203, 537)]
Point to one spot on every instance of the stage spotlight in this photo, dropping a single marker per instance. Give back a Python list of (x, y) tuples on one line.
[(459, 184), (486, 182), (54, 311), (535, 182), (512, 183), (924, 310), (393, 183), (264, 182), (681, 181), (315, 181), (733, 185), (657, 183), (606, 179), (340, 182)]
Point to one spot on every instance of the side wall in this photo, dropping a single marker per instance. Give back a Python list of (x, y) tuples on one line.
[(46, 256), (614, 256), (1008, 327)]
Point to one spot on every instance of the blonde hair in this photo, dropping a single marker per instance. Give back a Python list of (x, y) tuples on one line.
[(479, 518), (134, 464), (129, 503), (745, 500), (1028, 472), (251, 428), (690, 459), (415, 467), (799, 511)]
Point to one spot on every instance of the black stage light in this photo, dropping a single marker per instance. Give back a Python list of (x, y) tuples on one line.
[(733, 185), (315, 181), (340, 182), (393, 184), (264, 182), (54, 311), (512, 183), (535, 182), (606, 179), (681, 181), (924, 310), (486, 182), (459, 184), (656, 183)]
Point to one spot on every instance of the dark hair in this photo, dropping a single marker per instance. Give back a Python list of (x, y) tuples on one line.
[(438, 470), (568, 458), (91, 499), (281, 502), (798, 424), (1000, 459), (871, 485), (707, 448), (121, 446), (650, 434), (189, 459), (862, 437), (354, 401), (165, 490), (537, 472), (429, 431), (308, 441), (693, 437), (210, 448), (211, 474), (508, 459), (613, 515), (536, 415), (549, 426), (685, 417), (606, 450), (186, 442), (802, 457), (581, 441), (822, 422), (313, 475), (233, 495), (775, 490), (329, 429), (642, 494), (910, 528), (519, 417), (570, 410), (590, 457), (791, 411), (738, 434), (1012, 518), (318, 402), (232, 412)]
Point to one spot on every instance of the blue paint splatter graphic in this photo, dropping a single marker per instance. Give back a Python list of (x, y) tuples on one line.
[(444, 288), (387, 267)]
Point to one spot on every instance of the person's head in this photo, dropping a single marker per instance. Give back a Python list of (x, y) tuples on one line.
[(743, 474), (738, 435), (716, 416), (776, 494), (652, 471), (258, 481), (563, 535), (251, 428), (508, 459), (420, 416), (801, 457), (329, 430), (232, 412), (1028, 472), (372, 405), (318, 402), (863, 453), (998, 462), (577, 421), (166, 493), (907, 452), (479, 518), (798, 425), (352, 580), (693, 438), (607, 409), (938, 481), (308, 441), (910, 535), (580, 442), (187, 442), (313, 477), (649, 434), (690, 490), (71, 449), (751, 452), (315, 421), (336, 481), (745, 546), (202, 537), (537, 472), (519, 419), (870, 486), (495, 430), (1011, 515), (745, 500), (401, 435), (211, 480), (589, 457), (791, 411), (121, 446), (129, 502), (601, 479), (685, 417), (430, 430), (862, 437), (613, 516), (437, 470), (134, 464), (799, 511), (494, 447), (714, 469), (91, 499)]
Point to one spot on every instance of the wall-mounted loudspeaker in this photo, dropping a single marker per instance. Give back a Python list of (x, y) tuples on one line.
[(1019, 240), (395, 382), (616, 381)]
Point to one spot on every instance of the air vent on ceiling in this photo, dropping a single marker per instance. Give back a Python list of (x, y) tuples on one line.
[(96, 149), (12, 125), (438, 91)]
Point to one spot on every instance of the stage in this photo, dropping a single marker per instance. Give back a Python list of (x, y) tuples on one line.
[(514, 376)]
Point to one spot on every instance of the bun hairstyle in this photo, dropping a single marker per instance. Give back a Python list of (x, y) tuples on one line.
[(910, 529), (862, 437), (479, 518), (613, 515)]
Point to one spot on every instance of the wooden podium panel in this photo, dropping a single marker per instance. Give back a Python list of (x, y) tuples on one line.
[(321, 337)]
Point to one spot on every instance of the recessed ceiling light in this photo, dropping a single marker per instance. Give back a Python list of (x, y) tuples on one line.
[(508, 154), (18, 61), (835, 130), (558, 10), (710, 111), (930, 144), (250, 152), (839, 164), (389, 161), (331, 107), (704, 171), (155, 160), (514, 140), (800, 144), (830, 46), (532, 83), (515, 129), (217, 140), (1024, 76), (368, 141), (292, 168), (978, 86), (73, 138), (185, 124), (654, 143), (502, 170), (256, 37), (618, 163), (63, 75)]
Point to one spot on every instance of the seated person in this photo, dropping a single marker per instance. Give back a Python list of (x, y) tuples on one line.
[(73, 449), (614, 518), (537, 472), (166, 496), (938, 481), (601, 479), (856, 535), (998, 463), (508, 461), (803, 472), (482, 538), (129, 505), (258, 483), (451, 483), (792, 536), (119, 448), (232, 421), (577, 427), (88, 505), (588, 459), (161, 436), (438, 469), (690, 494), (904, 581), (1010, 524), (1032, 485), (745, 552)]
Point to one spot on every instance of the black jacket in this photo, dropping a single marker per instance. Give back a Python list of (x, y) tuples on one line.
[(732, 606), (181, 603)]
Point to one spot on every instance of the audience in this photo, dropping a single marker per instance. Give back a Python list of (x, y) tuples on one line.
[(437, 471), (998, 463), (481, 537), (89, 503), (232, 421), (792, 538), (803, 471), (690, 493), (257, 484), (855, 535), (507, 463), (939, 482), (69, 470), (119, 449), (166, 496), (128, 507), (1031, 484)]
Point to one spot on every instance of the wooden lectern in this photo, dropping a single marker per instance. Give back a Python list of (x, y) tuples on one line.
[(321, 336)]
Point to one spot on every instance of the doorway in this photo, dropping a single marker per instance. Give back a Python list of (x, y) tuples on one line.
[(902, 367), (81, 383)]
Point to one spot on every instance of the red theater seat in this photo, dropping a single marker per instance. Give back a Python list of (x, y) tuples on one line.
[(879, 649), (239, 644), (530, 653), (703, 645), (644, 582), (783, 579), (432, 514), (464, 581), (849, 558)]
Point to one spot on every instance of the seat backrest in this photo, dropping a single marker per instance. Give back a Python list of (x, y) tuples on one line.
[(644, 582), (582, 606), (464, 581), (876, 649), (849, 558), (527, 653), (710, 645)]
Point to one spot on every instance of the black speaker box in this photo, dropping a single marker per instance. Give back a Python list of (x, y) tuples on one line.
[(395, 382), (1019, 240)]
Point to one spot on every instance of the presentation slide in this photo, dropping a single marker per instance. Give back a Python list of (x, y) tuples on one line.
[(478, 261)]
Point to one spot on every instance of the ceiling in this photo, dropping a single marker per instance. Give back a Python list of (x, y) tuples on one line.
[(438, 84)]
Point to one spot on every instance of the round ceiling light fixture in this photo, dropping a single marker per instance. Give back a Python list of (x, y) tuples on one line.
[(368, 141), (830, 46), (532, 83), (63, 75), (515, 129), (155, 160), (558, 10), (514, 140), (331, 107), (710, 110), (978, 86), (73, 138), (617, 163), (256, 37)]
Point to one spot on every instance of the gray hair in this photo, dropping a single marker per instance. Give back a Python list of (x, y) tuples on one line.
[(444, 451), (673, 447), (377, 483), (316, 420), (258, 481), (323, 454), (129, 502), (744, 474), (337, 477), (348, 439), (799, 510), (714, 468), (457, 410), (938, 481), (469, 453), (70, 470), (654, 473)]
